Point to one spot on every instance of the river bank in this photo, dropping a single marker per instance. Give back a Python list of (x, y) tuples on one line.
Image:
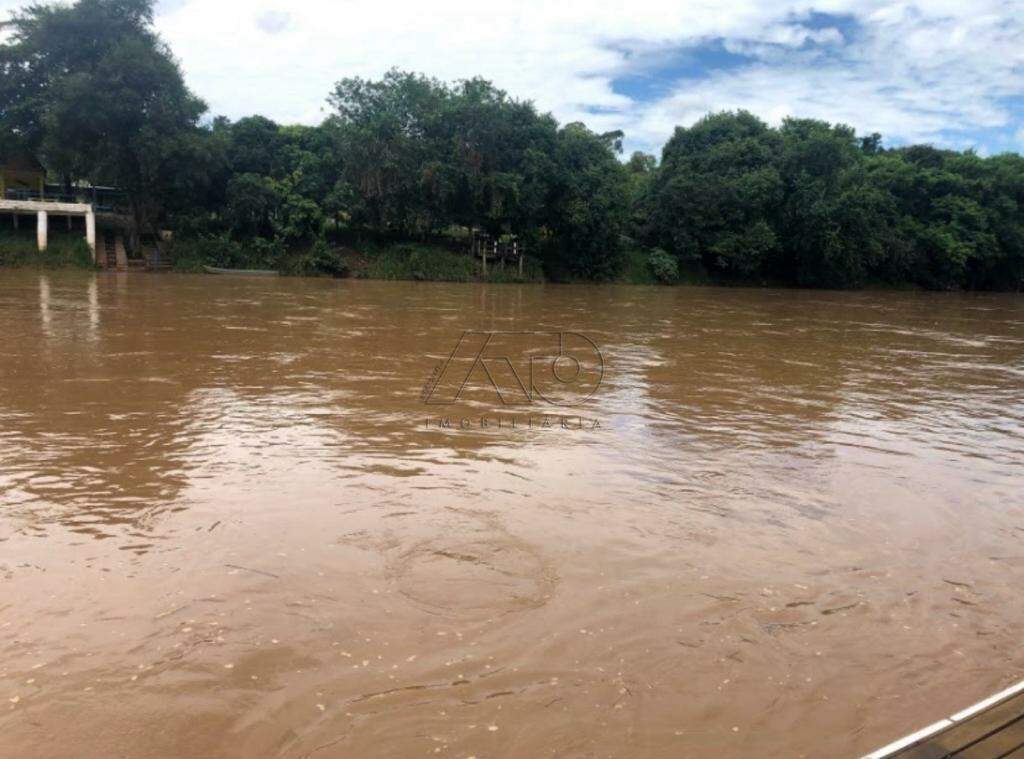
[(397, 261), (402, 261), (388, 261), (438, 261)]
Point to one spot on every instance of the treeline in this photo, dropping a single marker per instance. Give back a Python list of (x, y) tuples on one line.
[(93, 93), (815, 205), (411, 158)]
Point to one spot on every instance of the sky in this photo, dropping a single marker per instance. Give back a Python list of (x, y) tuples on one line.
[(936, 71)]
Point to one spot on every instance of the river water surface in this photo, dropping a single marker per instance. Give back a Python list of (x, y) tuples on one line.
[(786, 523)]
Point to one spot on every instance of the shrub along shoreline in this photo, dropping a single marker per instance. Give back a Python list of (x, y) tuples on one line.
[(443, 260), (64, 251), (396, 261), (421, 261)]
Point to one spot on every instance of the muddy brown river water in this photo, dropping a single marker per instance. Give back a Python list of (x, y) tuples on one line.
[(785, 523)]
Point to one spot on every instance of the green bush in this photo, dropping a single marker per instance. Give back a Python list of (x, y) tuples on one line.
[(664, 267), (327, 260), (403, 261), (422, 262), (262, 253), (320, 260), (63, 251), (636, 268), (191, 254)]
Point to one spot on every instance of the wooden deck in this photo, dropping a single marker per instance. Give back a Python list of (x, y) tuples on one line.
[(992, 729)]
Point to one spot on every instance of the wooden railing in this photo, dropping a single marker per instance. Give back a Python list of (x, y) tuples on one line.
[(37, 197), (104, 202), (488, 248)]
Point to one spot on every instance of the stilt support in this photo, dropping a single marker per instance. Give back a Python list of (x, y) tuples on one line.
[(42, 230), (90, 233)]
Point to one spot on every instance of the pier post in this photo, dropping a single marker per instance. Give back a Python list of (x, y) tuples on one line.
[(41, 230), (90, 232)]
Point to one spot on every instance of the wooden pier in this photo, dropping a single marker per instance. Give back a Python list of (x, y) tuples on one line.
[(991, 729), (488, 248)]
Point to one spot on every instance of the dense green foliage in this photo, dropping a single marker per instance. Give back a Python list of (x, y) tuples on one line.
[(409, 158), (406, 158), (406, 168), (431, 262), (812, 204), (664, 267)]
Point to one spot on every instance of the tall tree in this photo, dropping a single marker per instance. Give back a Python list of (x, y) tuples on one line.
[(94, 92), (716, 194), (589, 204), (384, 128)]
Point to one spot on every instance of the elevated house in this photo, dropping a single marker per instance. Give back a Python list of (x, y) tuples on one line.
[(24, 192)]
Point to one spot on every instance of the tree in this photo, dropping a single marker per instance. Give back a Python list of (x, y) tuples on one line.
[(641, 171), (485, 143), (717, 193), (588, 206), (93, 91), (253, 203), (383, 129), (420, 155), (256, 146), (956, 217), (831, 229)]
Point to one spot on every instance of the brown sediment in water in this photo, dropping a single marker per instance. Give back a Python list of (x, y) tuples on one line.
[(225, 529)]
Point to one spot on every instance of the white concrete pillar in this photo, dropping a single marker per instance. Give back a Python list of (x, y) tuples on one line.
[(42, 230), (15, 219), (90, 232)]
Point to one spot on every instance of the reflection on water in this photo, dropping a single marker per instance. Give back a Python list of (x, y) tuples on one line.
[(223, 520)]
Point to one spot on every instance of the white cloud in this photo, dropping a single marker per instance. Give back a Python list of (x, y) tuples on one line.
[(274, 22), (912, 70)]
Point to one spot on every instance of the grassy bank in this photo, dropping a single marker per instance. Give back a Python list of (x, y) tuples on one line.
[(411, 261), (654, 267), (425, 262), (443, 261), (408, 261), (64, 251)]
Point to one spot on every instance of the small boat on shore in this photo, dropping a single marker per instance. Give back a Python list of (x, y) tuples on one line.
[(242, 272)]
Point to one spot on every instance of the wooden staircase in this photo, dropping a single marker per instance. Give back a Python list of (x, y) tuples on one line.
[(114, 255), (156, 260), (109, 258)]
